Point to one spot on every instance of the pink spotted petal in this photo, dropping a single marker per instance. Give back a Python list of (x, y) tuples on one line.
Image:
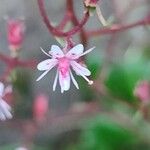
[(56, 52), (64, 82), (47, 64), (80, 69), (75, 51)]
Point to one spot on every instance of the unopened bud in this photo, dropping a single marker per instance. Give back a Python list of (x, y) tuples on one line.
[(142, 91), (90, 3), (15, 34), (40, 107)]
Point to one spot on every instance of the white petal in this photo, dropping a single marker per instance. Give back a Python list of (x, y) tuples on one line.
[(64, 82), (47, 64), (56, 52), (1, 88), (5, 110), (75, 51), (2, 116), (80, 69), (42, 75), (90, 82), (45, 52), (86, 52), (5, 105), (8, 89), (7, 114), (55, 81), (74, 81)]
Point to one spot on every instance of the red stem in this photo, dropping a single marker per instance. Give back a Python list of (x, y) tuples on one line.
[(67, 17), (64, 22), (29, 64), (12, 63), (75, 21), (4, 58), (118, 28), (5, 74), (56, 31)]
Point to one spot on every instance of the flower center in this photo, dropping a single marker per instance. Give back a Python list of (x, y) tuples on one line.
[(63, 66)]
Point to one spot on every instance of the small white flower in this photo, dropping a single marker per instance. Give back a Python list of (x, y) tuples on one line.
[(65, 62), (5, 109)]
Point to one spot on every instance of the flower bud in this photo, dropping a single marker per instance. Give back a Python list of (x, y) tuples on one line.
[(142, 91), (15, 34), (90, 3), (40, 107)]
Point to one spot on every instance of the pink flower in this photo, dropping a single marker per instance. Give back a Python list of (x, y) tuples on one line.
[(64, 63), (15, 33), (5, 109)]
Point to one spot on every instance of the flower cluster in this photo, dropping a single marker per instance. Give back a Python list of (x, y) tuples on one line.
[(64, 63)]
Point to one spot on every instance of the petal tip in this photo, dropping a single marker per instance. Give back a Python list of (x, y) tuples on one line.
[(91, 82)]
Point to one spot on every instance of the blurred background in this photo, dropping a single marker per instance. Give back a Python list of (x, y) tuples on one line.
[(112, 114)]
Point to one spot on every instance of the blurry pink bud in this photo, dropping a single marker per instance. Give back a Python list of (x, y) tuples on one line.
[(40, 107), (15, 33), (90, 3), (142, 91)]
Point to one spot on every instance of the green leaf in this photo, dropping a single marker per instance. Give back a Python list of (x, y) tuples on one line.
[(23, 94), (123, 77), (101, 133)]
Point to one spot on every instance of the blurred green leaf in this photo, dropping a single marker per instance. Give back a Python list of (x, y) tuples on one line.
[(23, 94), (123, 78), (146, 52), (102, 133)]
